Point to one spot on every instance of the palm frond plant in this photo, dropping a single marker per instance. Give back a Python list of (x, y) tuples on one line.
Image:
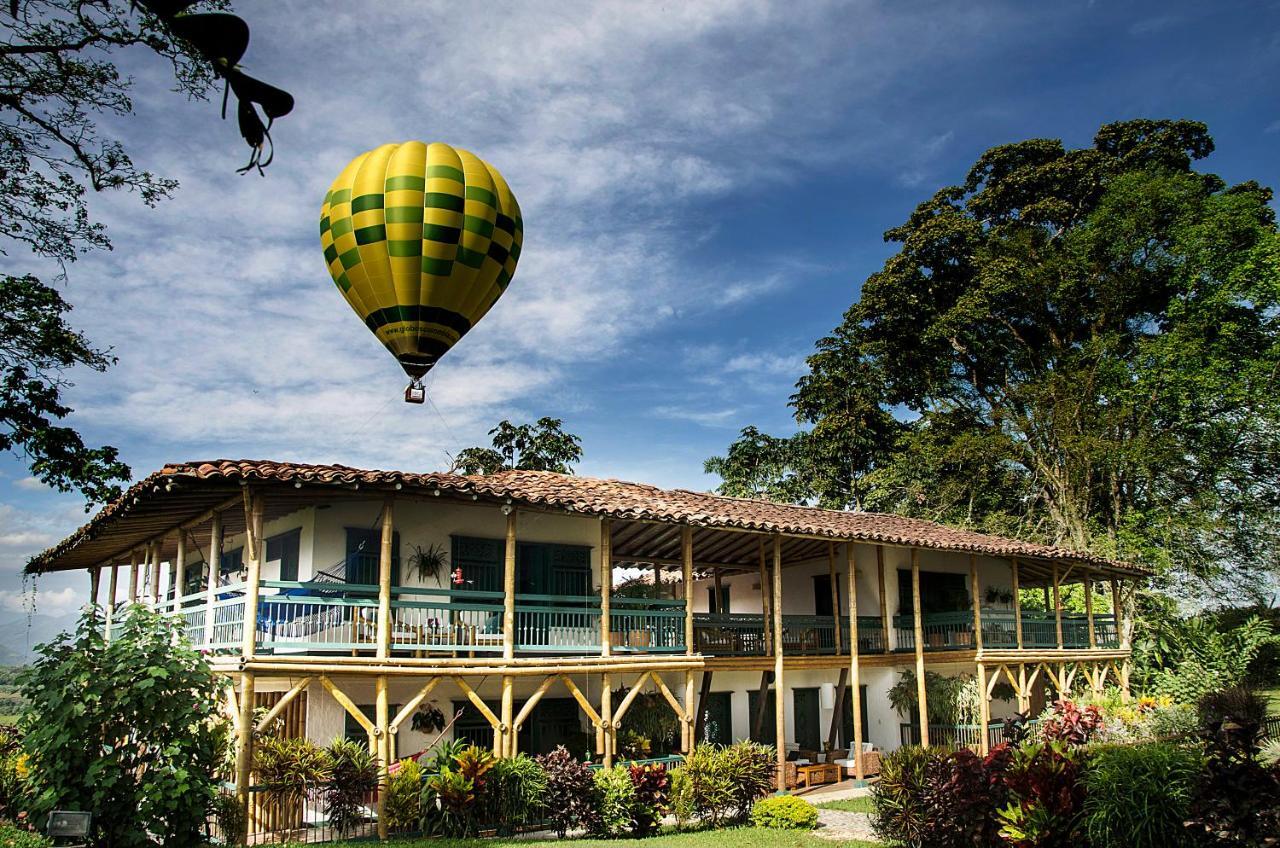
[(353, 780), (289, 771)]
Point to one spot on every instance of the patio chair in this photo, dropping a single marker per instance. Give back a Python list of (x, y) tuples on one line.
[(69, 824)]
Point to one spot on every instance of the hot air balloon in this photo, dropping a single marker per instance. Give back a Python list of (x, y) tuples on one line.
[(421, 239)]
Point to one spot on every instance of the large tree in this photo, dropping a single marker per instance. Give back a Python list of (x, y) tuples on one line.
[(58, 76), (1081, 347), (543, 446)]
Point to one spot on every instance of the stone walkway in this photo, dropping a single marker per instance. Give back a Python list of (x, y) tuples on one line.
[(840, 826)]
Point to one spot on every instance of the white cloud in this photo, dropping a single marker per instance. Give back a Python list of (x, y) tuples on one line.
[(704, 417), (31, 484), (55, 602)]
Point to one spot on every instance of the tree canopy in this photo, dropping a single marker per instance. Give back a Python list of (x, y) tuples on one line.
[(544, 446), (1076, 346)]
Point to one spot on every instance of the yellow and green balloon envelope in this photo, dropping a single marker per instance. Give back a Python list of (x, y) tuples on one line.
[(421, 239)]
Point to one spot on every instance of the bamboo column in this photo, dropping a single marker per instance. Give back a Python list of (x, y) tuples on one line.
[(1117, 614), (133, 577), (157, 594), (1057, 606), (244, 732), (606, 719), (766, 601), (855, 672), (606, 587), (1017, 604), (382, 711), (921, 697), (835, 595), (974, 588), (884, 600), (95, 575), (984, 709), (179, 570), (211, 579), (505, 729), (686, 576), (1088, 608), (111, 598), (779, 688)]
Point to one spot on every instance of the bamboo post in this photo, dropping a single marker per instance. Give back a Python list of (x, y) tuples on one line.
[(690, 712), (1057, 606), (686, 576), (606, 718), (718, 583), (94, 577), (244, 744), (855, 672), (133, 577), (382, 730), (766, 601), (384, 579), (780, 699), (1017, 604), (505, 732), (919, 632), (179, 570), (211, 579), (253, 548), (1117, 613), (884, 600), (835, 596), (157, 595), (606, 587), (111, 598), (984, 710), (974, 588), (1088, 608)]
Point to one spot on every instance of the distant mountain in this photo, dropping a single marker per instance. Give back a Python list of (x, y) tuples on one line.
[(20, 633)]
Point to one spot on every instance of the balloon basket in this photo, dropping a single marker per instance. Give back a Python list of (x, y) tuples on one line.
[(415, 392)]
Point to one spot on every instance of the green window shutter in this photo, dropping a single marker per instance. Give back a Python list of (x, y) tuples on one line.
[(769, 727), (364, 545), (284, 550), (480, 561)]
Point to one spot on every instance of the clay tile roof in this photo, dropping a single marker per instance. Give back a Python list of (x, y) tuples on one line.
[(586, 495)]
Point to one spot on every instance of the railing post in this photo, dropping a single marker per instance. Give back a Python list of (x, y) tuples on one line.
[(1057, 607), (1017, 604), (974, 587), (855, 672), (780, 692), (211, 579), (921, 696), (1088, 608)]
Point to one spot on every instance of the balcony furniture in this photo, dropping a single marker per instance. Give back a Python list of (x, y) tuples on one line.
[(634, 639), (799, 641), (837, 754), (721, 640), (870, 762), (817, 774), (790, 774)]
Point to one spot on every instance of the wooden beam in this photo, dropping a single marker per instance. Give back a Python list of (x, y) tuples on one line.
[(984, 710), (582, 700), (284, 701), (757, 724), (1088, 608), (766, 599), (509, 588), (835, 595), (478, 703), (244, 743), (411, 705), (607, 732), (1057, 607), (780, 699), (700, 720), (629, 697), (922, 698), (686, 576), (528, 706), (347, 704), (842, 686), (974, 588), (671, 699), (211, 582), (253, 535), (179, 571)]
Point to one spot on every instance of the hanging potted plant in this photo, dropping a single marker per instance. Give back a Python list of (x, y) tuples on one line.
[(427, 563)]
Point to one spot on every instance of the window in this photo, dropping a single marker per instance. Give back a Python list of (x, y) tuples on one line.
[(230, 565), (724, 599), (822, 594), (363, 547), (717, 724), (939, 592), (471, 727), (541, 569), (283, 550)]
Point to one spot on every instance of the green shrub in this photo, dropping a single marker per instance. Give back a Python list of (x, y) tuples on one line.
[(513, 792), (1138, 796), (1046, 796), (652, 784), (570, 798), (16, 836), (146, 688), (229, 817), (784, 812), (13, 796), (900, 795), (726, 781), (289, 770), (404, 793), (617, 799), (680, 796)]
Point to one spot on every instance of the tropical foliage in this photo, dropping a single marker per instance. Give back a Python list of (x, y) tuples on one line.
[(1086, 344), (544, 446), (127, 730)]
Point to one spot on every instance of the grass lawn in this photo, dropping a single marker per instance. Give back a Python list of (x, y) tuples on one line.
[(850, 805), (738, 837), (1273, 699)]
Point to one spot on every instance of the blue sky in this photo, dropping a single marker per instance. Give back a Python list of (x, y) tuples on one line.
[(704, 185)]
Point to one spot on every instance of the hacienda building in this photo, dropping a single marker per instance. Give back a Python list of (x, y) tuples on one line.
[(348, 601)]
